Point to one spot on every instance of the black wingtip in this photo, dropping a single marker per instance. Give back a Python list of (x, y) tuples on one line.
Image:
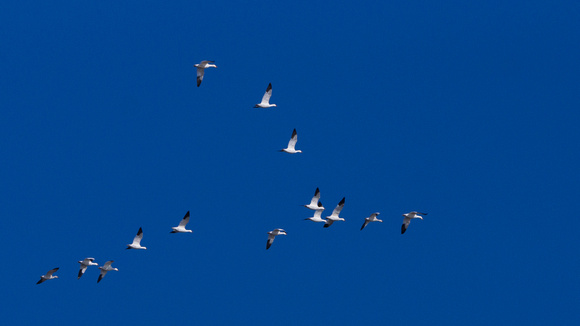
[(80, 274), (319, 203), (268, 245), (342, 201), (100, 278), (39, 281), (326, 225), (403, 229), (186, 214)]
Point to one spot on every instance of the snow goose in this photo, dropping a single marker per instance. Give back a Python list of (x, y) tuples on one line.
[(48, 275), (266, 99), (317, 214), (272, 234), (201, 67), (292, 144), (372, 218), (106, 268), (84, 264), (137, 241), (408, 218), (334, 217), (181, 227)]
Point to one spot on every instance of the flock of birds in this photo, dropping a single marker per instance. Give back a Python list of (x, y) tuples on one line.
[(315, 203)]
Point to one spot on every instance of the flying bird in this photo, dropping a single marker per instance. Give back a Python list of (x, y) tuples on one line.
[(408, 218), (292, 144), (137, 241), (181, 227), (272, 234), (317, 214), (266, 99), (372, 218), (201, 67), (314, 204), (84, 264), (48, 275), (334, 217), (106, 268)]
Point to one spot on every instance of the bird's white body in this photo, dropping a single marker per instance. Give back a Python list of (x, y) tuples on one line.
[(201, 68), (48, 276), (372, 218), (106, 268), (314, 204), (334, 217), (292, 144), (137, 241), (266, 99), (272, 234), (407, 219), (317, 217), (181, 227), (84, 264)]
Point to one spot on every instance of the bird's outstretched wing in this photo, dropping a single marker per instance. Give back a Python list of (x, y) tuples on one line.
[(267, 95), (364, 224), (293, 140), (185, 220), (338, 207)]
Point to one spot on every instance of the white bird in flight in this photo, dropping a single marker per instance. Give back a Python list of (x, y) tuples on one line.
[(106, 268), (334, 217), (201, 67), (266, 99), (137, 241), (84, 264), (372, 218), (292, 144), (317, 214), (48, 276), (314, 204), (181, 227), (272, 234), (408, 218)]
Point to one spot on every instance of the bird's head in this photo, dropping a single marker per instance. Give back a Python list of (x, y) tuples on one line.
[(274, 105), (55, 276), (341, 219), (298, 151)]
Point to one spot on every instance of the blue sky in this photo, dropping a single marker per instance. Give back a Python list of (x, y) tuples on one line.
[(468, 111)]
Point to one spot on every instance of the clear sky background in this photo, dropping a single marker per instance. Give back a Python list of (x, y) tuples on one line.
[(466, 110)]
